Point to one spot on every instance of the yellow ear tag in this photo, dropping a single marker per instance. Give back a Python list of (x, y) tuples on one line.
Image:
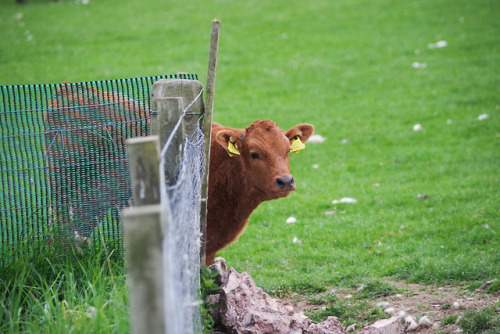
[(296, 145), (232, 150)]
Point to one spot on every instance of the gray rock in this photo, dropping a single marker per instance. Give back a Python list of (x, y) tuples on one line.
[(392, 325), (245, 309)]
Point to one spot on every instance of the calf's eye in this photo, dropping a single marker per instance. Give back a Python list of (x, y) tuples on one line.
[(255, 156)]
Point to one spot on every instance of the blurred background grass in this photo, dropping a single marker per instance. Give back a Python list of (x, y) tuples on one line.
[(363, 73)]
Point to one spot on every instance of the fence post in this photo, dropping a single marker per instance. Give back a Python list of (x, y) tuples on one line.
[(143, 238), (143, 234), (169, 111), (144, 159), (207, 130), (169, 97)]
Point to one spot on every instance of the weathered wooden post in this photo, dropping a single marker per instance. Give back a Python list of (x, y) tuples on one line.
[(185, 89), (143, 234), (144, 158), (207, 130), (168, 112), (169, 98)]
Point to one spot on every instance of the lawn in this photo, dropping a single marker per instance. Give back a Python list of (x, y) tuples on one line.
[(365, 73)]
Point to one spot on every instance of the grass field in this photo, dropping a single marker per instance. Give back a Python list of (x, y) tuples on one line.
[(364, 73)]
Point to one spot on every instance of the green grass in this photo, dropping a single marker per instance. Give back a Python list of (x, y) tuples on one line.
[(360, 313), (345, 67), (449, 320), (486, 321), (53, 292)]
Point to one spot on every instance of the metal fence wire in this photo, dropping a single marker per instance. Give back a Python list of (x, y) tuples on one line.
[(63, 163)]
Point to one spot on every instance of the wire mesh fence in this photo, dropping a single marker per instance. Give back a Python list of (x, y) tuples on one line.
[(63, 164), (181, 244)]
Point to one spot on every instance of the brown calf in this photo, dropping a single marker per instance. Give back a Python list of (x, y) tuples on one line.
[(247, 167)]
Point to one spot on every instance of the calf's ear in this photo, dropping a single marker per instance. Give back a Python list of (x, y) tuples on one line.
[(298, 135), (229, 141), (302, 131)]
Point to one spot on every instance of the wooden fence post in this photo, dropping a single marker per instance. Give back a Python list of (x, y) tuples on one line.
[(186, 89), (144, 159), (169, 98), (143, 236), (207, 130), (169, 111), (143, 239)]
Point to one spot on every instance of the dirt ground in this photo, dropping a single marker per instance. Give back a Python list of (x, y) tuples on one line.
[(437, 303)]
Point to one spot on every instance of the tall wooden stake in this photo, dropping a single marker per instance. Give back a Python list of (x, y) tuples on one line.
[(143, 232), (207, 130)]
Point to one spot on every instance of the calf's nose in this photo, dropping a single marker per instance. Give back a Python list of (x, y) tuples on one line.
[(285, 182)]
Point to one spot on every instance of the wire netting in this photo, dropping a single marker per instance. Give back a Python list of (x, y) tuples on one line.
[(181, 199), (63, 163)]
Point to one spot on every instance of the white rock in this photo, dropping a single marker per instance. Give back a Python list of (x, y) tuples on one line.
[(483, 116), (419, 65), (440, 44), (401, 314), (291, 220), (315, 166), (411, 324), (316, 139), (383, 304), (350, 328), (344, 200), (344, 141), (424, 321), (409, 319), (385, 326), (91, 312), (417, 127), (390, 310)]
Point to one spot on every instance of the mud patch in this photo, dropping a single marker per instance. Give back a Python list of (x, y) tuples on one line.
[(417, 300)]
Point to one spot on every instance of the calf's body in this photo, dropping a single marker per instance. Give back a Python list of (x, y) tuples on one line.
[(247, 167)]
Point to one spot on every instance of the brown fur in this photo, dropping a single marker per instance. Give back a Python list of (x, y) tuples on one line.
[(238, 184)]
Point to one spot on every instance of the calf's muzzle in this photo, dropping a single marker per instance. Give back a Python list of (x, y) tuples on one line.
[(285, 182)]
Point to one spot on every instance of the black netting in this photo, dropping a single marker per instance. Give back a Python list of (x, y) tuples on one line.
[(63, 165)]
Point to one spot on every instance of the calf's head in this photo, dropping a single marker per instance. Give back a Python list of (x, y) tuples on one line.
[(264, 149)]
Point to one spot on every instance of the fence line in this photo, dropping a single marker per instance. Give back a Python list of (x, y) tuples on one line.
[(172, 279)]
